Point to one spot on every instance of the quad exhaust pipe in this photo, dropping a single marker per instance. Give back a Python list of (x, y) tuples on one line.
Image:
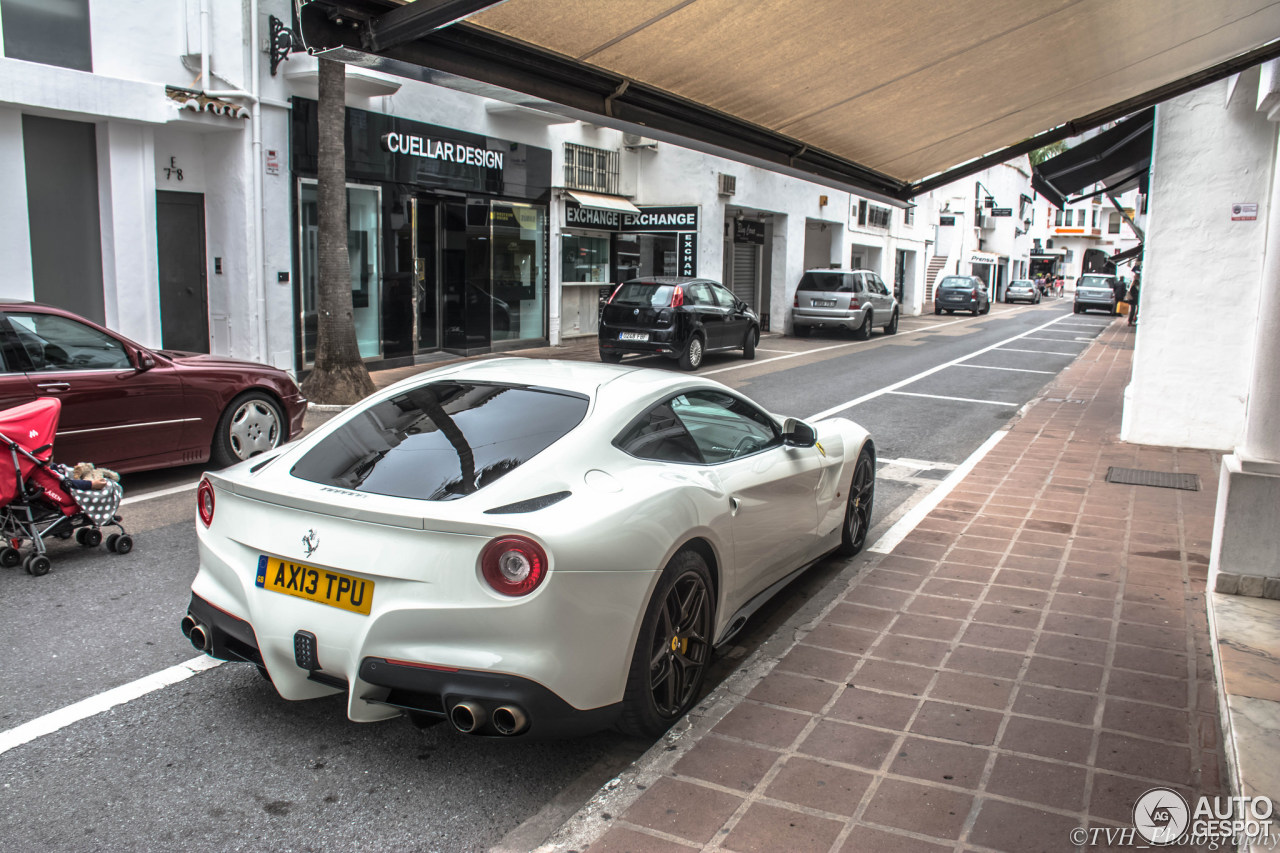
[(199, 635), (469, 717)]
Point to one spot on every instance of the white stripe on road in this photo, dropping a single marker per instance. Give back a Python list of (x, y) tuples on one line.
[(953, 399), (85, 708), (1039, 351), (1053, 340), (894, 535), (826, 413), (1014, 369), (160, 493)]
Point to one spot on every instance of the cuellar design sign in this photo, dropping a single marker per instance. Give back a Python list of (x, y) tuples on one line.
[(438, 149)]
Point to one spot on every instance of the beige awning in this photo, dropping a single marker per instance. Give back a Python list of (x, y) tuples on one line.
[(602, 202), (880, 94)]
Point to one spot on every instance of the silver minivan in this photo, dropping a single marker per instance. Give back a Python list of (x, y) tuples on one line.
[(857, 300)]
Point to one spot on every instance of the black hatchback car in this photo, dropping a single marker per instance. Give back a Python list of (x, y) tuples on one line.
[(680, 318)]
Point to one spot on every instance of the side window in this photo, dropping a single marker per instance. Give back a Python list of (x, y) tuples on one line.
[(659, 435), (723, 297), (724, 427), (699, 294), (878, 283), (54, 342)]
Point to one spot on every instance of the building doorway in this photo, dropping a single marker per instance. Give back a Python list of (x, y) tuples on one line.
[(183, 271)]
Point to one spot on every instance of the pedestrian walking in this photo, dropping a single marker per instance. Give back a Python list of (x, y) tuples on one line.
[(1132, 298)]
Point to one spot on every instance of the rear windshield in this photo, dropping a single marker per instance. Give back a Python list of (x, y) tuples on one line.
[(441, 441), (955, 283), (1021, 283), (827, 282), (643, 293), (1095, 281)]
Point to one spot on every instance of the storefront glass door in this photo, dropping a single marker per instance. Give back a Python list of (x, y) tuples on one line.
[(427, 291), (466, 286), (518, 267)]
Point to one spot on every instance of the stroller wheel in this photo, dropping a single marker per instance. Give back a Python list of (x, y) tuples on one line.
[(37, 564), (63, 530), (124, 544), (10, 557), (89, 537), (111, 542)]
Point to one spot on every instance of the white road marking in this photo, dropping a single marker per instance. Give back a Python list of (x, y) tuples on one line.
[(787, 351), (826, 413), (1039, 351), (1053, 340), (894, 535), (954, 399), (1014, 369), (94, 705), (160, 493)]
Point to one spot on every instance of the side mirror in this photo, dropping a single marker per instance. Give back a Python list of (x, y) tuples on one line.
[(145, 361), (798, 434)]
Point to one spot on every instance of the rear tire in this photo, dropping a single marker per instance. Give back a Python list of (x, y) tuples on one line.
[(252, 424), (892, 328), (749, 344), (864, 331), (691, 358), (857, 513), (610, 357), (672, 650)]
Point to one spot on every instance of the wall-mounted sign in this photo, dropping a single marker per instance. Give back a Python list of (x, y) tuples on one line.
[(1002, 211), (273, 161), (983, 258), (649, 219), (748, 231), (687, 253), (439, 149), (1243, 212), (946, 220)]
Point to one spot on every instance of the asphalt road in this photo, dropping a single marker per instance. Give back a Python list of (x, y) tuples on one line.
[(219, 762)]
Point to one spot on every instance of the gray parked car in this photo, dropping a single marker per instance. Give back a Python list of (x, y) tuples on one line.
[(1096, 292), (962, 293), (857, 300), (1020, 289)]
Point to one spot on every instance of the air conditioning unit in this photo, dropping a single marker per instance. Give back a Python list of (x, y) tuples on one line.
[(635, 140), (727, 184)]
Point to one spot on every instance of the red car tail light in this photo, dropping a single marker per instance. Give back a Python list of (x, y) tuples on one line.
[(204, 502), (854, 303), (795, 303), (677, 297), (513, 565), (974, 293)]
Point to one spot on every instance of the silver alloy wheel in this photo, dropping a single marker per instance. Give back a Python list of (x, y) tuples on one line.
[(254, 429), (693, 355)]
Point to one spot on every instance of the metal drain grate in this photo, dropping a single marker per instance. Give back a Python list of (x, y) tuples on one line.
[(1162, 479)]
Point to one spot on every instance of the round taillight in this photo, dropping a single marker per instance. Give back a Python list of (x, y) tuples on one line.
[(204, 502), (513, 565)]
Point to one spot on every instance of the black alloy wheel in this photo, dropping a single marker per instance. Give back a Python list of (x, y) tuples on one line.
[(862, 495), (672, 650)]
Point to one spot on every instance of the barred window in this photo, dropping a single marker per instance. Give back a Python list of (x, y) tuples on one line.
[(878, 217), (592, 169)]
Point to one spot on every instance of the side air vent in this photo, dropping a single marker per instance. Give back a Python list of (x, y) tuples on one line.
[(529, 505)]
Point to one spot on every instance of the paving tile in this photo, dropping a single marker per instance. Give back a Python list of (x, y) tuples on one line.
[(762, 724), (864, 839), (620, 839), (976, 690), (1045, 783), (859, 616), (1011, 617), (841, 638), (767, 829), (1149, 614), (1037, 700), (1031, 564), (1114, 796), (925, 809), (1031, 599), (1155, 760), (1077, 649), (848, 744), (875, 596), (941, 762), (726, 763), (817, 662), (1048, 740), (929, 627), (1014, 828), (985, 662), (1157, 636), (894, 677), (998, 637), (892, 580), (818, 785), (957, 722), (1083, 605), (685, 809), (907, 565), (1137, 718), (959, 571), (1023, 580), (793, 691), (911, 650), (1079, 626), (875, 709), (949, 588), (946, 608), (972, 557), (1170, 692)]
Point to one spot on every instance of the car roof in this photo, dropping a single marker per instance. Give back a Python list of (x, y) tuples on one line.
[(668, 279)]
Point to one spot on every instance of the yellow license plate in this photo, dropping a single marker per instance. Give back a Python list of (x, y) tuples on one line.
[(320, 585)]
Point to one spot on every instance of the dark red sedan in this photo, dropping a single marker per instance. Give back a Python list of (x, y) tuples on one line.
[(131, 408)]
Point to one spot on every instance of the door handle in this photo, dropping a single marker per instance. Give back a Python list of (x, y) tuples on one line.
[(54, 386), (733, 506)]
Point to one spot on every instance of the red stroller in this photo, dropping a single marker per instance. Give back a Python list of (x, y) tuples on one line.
[(37, 496)]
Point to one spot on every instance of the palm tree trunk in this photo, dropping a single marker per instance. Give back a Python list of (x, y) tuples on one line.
[(339, 376)]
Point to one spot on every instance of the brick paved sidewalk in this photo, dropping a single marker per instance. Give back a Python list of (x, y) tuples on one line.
[(1029, 660)]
